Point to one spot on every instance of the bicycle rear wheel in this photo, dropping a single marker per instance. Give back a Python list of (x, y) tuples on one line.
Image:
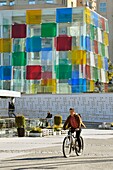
[(67, 144), (79, 150)]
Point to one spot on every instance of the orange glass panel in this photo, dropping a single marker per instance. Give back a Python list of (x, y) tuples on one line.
[(33, 16)]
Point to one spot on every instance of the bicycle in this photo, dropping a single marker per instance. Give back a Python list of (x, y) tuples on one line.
[(70, 143)]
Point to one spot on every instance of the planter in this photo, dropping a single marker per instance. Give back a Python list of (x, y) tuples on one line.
[(58, 132), (21, 132), (35, 134), (54, 133)]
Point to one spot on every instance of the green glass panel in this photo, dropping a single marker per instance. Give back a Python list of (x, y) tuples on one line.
[(88, 85), (63, 71), (19, 59), (106, 26), (95, 73), (48, 29), (92, 32), (99, 48), (103, 49), (95, 33)]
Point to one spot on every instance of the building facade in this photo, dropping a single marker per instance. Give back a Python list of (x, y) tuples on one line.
[(57, 50), (105, 8)]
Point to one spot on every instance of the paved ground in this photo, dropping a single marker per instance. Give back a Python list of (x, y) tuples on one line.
[(46, 153)]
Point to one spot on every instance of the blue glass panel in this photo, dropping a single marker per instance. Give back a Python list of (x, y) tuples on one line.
[(7, 70), (46, 55), (95, 18), (75, 81), (75, 74), (83, 42), (63, 15), (106, 63), (33, 44), (76, 89), (47, 49), (69, 81), (80, 81), (88, 44), (1, 73), (84, 85)]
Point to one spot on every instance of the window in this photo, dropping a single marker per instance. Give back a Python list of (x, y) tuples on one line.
[(103, 7), (2, 3), (12, 3), (31, 2), (49, 1)]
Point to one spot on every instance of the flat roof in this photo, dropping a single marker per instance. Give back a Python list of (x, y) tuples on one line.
[(9, 93)]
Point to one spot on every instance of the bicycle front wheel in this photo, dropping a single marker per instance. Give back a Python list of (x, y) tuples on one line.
[(79, 150), (67, 144)]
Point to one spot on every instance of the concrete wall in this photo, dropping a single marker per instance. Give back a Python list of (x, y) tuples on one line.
[(93, 107)]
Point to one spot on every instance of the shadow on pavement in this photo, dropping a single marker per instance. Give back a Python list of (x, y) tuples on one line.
[(53, 162)]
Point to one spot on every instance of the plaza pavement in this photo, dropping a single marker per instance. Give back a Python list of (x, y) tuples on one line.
[(46, 152)]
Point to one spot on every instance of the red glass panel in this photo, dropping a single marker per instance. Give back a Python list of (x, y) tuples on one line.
[(63, 43), (106, 87), (46, 75), (19, 31), (33, 72), (88, 74), (96, 46), (102, 20)]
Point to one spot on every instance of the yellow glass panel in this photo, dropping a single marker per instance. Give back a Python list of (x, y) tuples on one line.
[(33, 16), (106, 41), (99, 62), (87, 16), (50, 89), (107, 78), (47, 89), (75, 47), (40, 89), (54, 88), (0, 45), (51, 82), (33, 88), (84, 57), (77, 56), (91, 85), (5, 45)]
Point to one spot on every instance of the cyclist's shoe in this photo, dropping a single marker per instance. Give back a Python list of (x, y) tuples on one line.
[(80, 151)]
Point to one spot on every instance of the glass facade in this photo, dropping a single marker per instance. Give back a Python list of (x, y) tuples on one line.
[(63, 50)]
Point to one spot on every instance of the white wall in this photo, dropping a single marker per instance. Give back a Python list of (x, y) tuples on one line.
[(93, 107)]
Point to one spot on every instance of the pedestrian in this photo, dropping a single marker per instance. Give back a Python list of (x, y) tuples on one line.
[(49, 115), (48, 119), (11, 109), (98, 85)]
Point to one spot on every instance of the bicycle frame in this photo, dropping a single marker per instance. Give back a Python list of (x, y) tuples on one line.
[(72, 144)]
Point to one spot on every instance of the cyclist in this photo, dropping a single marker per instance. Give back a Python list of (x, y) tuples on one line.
[(74, 122)]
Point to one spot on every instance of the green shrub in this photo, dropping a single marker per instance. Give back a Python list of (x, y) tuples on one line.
[(36, 130), (20, 121), (57, 120), (2, 123)]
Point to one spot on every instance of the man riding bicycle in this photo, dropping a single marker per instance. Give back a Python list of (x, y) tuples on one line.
[(74, 122)]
